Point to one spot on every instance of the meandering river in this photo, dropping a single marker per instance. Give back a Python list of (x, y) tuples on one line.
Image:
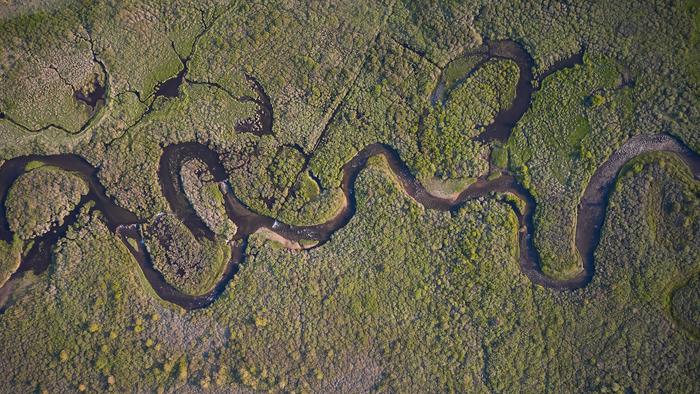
[(590, 215)]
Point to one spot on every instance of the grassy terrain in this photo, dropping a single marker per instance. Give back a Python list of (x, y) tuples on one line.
[(559, 143), (10, 258), (684, 307), (205, 196), (402, 298), (60, 191), (386, 304), (191, 265)]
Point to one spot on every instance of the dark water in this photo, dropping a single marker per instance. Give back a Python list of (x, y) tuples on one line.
[(591, 212), (125, 224), (502, 126), (262, 123), (171, 87), (94, 99), (506, 120)]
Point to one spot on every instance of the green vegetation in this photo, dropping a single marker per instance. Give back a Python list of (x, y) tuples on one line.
[(566, 139), (33, 164), (450, 188), (10, 258), (402, 298), (490, 89), (390, 301), (692, 56), (458, 69), (445, 140), (499, 156), (189, 264), (205, 196), (51, 57), (391, 104), (41, 199), (685, 307)]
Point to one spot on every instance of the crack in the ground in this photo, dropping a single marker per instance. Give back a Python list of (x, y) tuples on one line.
[(64, 80), (100, 92), (170, 88), (89, 99), (4, 116)]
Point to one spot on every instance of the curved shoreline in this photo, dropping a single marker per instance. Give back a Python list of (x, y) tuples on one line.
[(594, 200), (590, 213)]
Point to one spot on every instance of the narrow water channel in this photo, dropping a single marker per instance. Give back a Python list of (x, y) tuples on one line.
[(591, 212)]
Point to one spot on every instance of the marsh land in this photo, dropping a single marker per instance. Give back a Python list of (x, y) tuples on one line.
[(393, 196)]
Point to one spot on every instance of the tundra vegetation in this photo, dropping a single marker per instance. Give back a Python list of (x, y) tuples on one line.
[(10, 258), (40, 199), (206, 198), (190, 264), (566, 147), (403, 297)]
